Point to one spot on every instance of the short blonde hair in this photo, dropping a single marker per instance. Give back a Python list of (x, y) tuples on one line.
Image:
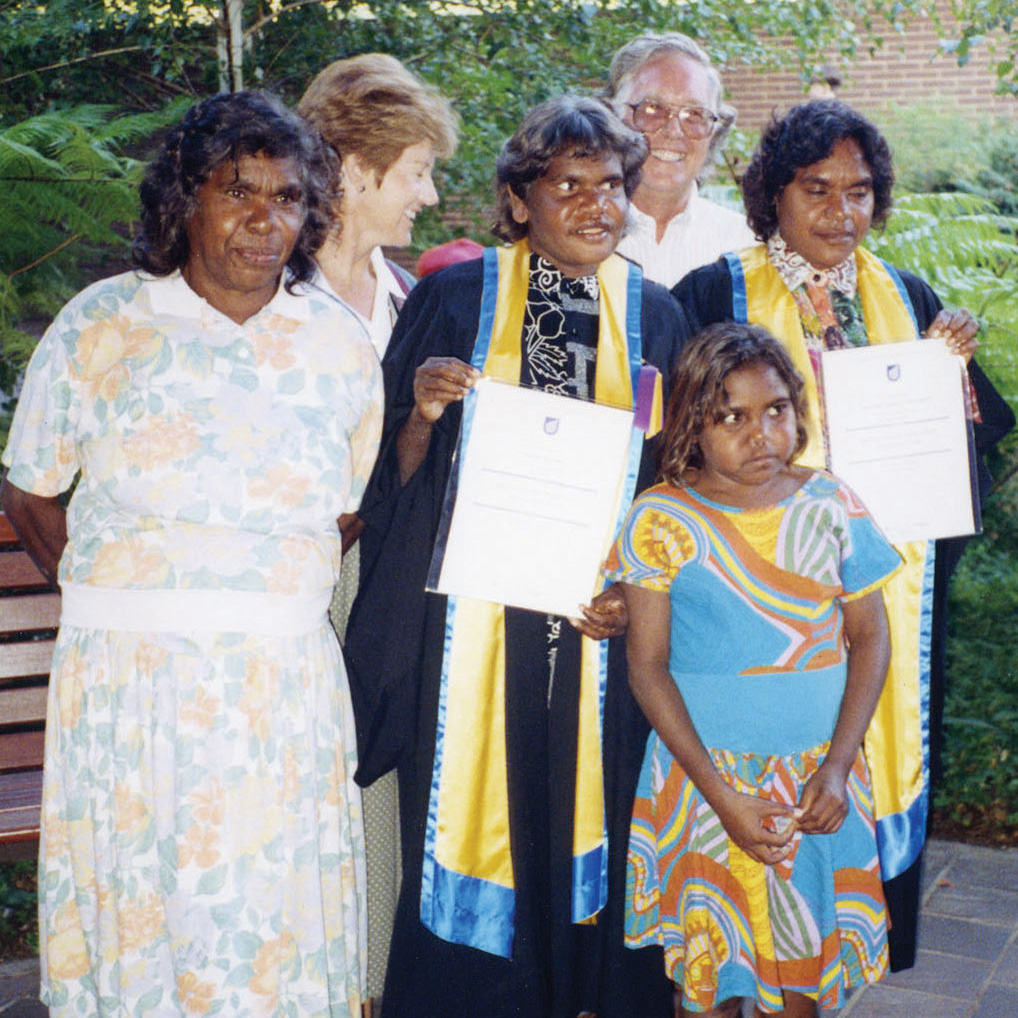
[(371, 105)]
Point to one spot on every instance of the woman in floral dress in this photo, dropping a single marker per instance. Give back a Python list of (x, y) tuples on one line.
[(202, 843)]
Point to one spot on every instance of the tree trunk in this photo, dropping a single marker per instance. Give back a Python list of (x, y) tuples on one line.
[(230, 46)]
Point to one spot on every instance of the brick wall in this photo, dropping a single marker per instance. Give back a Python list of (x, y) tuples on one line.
[(908, 69)]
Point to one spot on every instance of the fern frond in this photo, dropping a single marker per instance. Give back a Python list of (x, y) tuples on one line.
[(69, 195)]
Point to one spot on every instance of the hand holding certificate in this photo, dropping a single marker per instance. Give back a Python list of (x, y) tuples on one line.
[(536, 498), (898, 436)]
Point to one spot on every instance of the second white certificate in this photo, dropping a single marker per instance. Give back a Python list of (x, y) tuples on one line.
[(898, 436), (536, 499)]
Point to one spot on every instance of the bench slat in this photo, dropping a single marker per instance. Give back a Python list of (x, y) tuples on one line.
[(17, 659), (29, 611), (18, 570), (20, 796), (20, 824), (23, 788), (21, 749), (18, 706), (7, 534)]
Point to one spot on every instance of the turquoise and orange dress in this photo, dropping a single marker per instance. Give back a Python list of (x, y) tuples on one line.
[(758, 652)]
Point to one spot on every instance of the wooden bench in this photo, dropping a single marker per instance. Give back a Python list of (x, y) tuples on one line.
[(29, 616)]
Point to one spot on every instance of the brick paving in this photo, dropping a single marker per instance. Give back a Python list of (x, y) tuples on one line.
[(967, 965)]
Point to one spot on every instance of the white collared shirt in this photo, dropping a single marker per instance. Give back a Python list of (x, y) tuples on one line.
[(383, 314), (697, 236), (212, 453), (172, 295)]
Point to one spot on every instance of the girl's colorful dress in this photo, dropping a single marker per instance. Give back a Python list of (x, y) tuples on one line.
[(202, 848), (758, 652)]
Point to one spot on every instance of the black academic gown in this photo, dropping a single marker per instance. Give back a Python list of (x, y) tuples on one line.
[(706, 296), (394, 649)]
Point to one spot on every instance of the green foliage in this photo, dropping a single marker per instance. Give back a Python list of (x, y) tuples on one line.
[(69, 197), (969, 253), (19, 935), (935, 145), (961, 246), (939, 148), (990, 23), (998, 181), (68, 52), (981, 710)]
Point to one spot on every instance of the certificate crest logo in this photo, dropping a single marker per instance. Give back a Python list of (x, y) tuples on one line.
[(893, 372), (551, 425)]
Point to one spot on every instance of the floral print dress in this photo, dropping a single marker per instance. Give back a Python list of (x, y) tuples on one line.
[(202, 847)]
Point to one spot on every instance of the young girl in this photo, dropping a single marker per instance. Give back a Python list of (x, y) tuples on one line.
[(752, 857)]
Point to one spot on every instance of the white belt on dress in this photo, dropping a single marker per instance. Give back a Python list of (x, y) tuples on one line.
[(163, 611)]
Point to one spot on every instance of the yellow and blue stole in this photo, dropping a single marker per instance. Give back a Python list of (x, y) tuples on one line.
[(467, 892), (897, 743)]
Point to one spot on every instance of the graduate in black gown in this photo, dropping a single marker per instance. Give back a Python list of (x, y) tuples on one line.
[(563, 183), (820, 178)]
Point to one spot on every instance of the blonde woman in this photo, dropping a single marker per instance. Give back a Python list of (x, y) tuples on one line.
[(387, 128)]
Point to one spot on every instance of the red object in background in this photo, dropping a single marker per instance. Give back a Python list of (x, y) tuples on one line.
[(452, 251)]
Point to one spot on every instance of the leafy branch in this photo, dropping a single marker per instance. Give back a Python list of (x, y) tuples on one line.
[(70, 63), (49, 254)]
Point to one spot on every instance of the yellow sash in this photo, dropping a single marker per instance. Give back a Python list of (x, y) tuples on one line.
[(897, 743), (467, 891)]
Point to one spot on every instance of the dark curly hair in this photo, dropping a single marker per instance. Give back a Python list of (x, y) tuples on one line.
[(698, 390), (227, 127), (804, 135), (568, 125)]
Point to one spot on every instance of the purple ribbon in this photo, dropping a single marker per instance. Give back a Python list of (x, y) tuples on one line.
[(645, 396)]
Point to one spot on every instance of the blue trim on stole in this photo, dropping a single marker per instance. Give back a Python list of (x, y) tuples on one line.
[(925, 658), (489, 303), (901, 836), (902, 293), (472, 911), (590, 871), (740, 302), (456, 907)]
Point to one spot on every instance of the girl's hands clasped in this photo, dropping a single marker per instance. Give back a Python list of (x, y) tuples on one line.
[(761, 828), (823, 801)]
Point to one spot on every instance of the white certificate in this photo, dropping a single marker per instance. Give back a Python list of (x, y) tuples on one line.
[(536, 498), (899, 438)]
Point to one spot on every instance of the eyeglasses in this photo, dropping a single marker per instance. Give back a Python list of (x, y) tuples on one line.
[(649, 116)]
